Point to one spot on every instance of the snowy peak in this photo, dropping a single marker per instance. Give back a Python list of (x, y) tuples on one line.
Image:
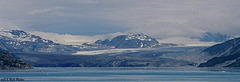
[(19, 35), (141, 37), (130, 41), (21, 41)]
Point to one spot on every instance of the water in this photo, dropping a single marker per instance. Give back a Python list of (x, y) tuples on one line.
[(163, 74)]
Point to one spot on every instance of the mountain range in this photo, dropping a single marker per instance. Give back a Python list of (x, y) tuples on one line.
[(29, 47), (44, 53), (19, 41)]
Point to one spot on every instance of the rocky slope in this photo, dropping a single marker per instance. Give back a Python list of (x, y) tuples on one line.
[(226, 54), (7, 61)]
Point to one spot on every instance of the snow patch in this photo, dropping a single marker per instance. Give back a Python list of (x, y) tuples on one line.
[(141, 37)]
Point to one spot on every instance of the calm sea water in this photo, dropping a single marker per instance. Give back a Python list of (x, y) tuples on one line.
[(163, 74)]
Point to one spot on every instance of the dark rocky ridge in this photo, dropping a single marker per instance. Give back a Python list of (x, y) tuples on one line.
[(7, 61), (226, 54)]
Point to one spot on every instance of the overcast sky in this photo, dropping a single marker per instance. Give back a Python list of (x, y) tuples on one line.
[(157, 18)]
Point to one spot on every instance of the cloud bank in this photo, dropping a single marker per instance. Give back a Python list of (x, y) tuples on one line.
[(74, 39), (160, 19)]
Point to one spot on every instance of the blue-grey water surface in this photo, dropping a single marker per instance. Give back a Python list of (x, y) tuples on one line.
[(162, 74)]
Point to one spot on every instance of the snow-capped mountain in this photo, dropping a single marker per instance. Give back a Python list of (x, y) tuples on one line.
[(21, 41), (19, 35), (130, 41)]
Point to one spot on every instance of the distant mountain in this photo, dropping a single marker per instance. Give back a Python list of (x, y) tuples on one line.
[(18, 41), (21, 41), (213, 37), (226, 54), (7, 61), (130, 41), (122, 60)]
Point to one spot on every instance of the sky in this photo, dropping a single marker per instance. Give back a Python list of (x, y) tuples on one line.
[(161, 19)]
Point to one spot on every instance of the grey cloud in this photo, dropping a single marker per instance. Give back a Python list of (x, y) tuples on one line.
[(157, 18)]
